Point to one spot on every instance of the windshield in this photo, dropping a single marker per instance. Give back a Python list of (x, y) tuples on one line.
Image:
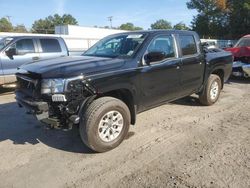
[(124, 45), (4, 42), (244, 42)]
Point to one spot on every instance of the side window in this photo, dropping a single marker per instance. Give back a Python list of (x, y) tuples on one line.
[(50, 45), (188, 45), (24, 46), (163, 44)]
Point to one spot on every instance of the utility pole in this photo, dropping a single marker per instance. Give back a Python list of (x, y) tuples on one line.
[(110, 19)]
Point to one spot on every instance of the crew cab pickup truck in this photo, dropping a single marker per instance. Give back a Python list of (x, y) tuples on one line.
[(122, 75), (18, 50)]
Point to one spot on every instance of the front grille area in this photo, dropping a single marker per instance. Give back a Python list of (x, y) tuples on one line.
[(28, 85), (237, 69)]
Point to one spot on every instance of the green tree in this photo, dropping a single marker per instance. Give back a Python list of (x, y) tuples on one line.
[(48, 24), (5, 25), (221, 18), (161, 24), (212, 18), (239, 17), (181, 26), (20, 28), (129, 27)]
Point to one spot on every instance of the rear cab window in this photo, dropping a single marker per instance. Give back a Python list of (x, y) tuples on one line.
[(188, 45), (50, 45)]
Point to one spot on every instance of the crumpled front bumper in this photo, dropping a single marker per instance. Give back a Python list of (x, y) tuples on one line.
[(241, 69), (41, 110), (38, 108)]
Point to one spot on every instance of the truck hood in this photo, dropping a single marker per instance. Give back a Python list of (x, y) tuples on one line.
[(239, 51), (73, 66)]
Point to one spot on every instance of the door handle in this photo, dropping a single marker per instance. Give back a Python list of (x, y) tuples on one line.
[(35, 58)]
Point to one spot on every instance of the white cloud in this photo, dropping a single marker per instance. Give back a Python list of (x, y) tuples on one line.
[(60, 6)]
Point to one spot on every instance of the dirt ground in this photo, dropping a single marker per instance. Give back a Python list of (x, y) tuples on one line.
[(181, 144)]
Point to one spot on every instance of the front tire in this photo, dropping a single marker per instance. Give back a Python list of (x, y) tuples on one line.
[(104, 124), (211, 92)]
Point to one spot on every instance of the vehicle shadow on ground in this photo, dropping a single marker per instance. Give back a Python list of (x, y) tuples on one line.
[(6, 91), (188, 101), (21, 128), (194, 100), (239, 80)]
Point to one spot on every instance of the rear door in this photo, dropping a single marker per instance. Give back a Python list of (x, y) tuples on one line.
[(51, 48), (193, 65), (26, 52)]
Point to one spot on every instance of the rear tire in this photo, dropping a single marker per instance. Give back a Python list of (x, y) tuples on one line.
[(211, 92), (104, 124)]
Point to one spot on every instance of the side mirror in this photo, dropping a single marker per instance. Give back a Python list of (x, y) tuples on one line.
[(154, 57), (11, 52)]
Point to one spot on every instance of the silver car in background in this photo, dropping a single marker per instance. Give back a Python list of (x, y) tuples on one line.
[(18, 50)]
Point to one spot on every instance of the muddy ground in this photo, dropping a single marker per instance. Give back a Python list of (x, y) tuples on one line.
[(181, 144)]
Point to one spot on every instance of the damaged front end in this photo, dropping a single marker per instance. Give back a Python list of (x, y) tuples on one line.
[(241, 69), (241, 53), (56, 102)]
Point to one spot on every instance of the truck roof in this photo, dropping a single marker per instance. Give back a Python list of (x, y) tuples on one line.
[(156, 31), (30, 36), (160, 31)]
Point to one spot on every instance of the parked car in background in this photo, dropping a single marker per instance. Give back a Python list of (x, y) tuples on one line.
[(217, 43), (119, 77), (241, 53), (209, 44), (18, 50)]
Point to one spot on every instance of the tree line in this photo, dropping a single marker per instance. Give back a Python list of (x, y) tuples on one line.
[(222, 19), (225, 19), (47, 25)]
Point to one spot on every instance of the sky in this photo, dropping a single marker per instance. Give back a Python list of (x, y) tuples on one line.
[(96, 12)]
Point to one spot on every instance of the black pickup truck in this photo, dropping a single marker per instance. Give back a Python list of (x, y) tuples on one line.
[(119, 77)]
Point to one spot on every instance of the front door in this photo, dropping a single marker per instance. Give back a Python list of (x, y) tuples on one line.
[(160, 81), (25, 53)]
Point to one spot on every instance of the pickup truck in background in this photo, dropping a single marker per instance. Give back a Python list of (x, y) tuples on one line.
[(122, 75), (18, 50), (241, 53)]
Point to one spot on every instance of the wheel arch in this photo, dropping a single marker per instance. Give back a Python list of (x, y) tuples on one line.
[(127, 97), (219, 72)]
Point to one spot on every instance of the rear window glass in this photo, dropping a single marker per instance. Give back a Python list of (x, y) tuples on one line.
[(188, 45), (50, 45), (244, 42)]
